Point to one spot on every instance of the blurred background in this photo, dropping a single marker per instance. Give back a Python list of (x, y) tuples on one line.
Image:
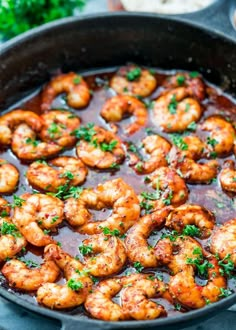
[(17, 16)]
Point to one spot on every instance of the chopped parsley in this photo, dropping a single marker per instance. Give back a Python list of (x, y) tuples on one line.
[(212, 142), (167, 200), (17, 202), (226, 264), (74, 284), (191, 230), (194, 74), (146, 206), (151, 196), (180, 80), (133, 74), (54, 219), (172, 106), (115, 166), (172, 236), (225, 293), (108, 147), (179, 142), (34, 142), (29, 263), (68, 175), (66, 192), (4, 214), (201, 265), (85, 249), (192, 126), (54, 129), (77, 80), (187, 107), (85, 133), (9, 229), (109, 232), (138, 266)]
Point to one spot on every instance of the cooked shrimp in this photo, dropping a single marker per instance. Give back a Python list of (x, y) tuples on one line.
[(12, 119), (110, 255), (134, 81), (57, 127), (9, 177), (117, 107), (102, 151), (5, 135), (78, 94), (69, 170), (78, 283), (174, 251), (192, 147), (170, 187), (134, 302), (137, 247), (157, 148), (27, 147), (175, 110), (135, 297), (192, 171), (116, 194), (100, 305), (36, 212), (223, 241), (24, 278), (221, 135), (228, 177), (192, 295), (11, 241), (191, 215), (192, 82)]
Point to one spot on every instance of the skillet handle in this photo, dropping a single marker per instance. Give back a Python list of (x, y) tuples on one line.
[(218, 17)]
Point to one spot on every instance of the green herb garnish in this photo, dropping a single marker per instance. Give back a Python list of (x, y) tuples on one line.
[(74, 284), (85, 249), (133, 74)]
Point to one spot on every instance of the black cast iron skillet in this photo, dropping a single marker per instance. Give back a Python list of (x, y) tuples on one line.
[(110, 40)]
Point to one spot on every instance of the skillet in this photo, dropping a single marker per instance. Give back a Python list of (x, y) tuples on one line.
[(108, 40)]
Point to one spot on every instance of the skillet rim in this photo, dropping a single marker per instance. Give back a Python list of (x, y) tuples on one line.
[(38, 32)]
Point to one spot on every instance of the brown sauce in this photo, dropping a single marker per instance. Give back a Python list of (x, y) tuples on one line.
[(209, 195)]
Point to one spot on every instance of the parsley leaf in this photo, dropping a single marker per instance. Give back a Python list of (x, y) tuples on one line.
[(9, 229), (138, 266), (108, 147), (85, 133), (179, 142), (74, 284), (85, 249), (191, 230), (133, 74), (180, 79), (21, 15), (172, 106)]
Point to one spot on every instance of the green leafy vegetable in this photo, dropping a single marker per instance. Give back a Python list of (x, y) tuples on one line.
[(17, 16), (9, 229), (172, 106), (133, 74), (191, 230), (74, 285), (17, 202), (108, 147), (85, 133), (138, 266), (179, 142), (85, 249), (180, 80)]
